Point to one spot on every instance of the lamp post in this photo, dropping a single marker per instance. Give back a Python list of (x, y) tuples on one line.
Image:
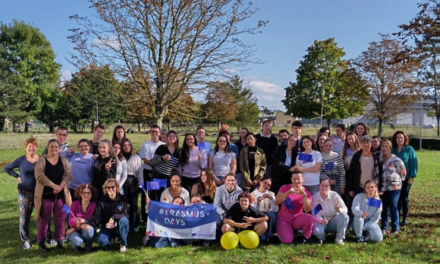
[(262, 115), (97, 116)]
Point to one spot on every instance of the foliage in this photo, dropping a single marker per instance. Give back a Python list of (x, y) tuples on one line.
[(247, 107), (221, 104), (325, 85), (165, 48), (392, 83), (88, 85), (425, 30), (27, 67)]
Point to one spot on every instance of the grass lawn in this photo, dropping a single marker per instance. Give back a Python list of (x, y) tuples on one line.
[(419, 242)]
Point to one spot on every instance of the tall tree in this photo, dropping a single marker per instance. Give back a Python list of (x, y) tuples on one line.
[(325, 86), (27, 62), (424, 29), (221, 104), (247, 107), (179, 44), (393, 84)]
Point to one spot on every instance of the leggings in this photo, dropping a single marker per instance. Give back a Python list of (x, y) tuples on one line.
[(26, 205), (287, 224)]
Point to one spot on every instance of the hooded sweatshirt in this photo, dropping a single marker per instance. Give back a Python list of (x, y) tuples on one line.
[(224, 199)]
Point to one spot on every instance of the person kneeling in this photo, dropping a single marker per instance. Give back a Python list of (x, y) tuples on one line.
[(332, 216), (112, 213), (242, 216)]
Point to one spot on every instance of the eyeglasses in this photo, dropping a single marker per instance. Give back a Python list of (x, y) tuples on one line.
[(84, 146), (110, 187), (222, 141), (86, 193)]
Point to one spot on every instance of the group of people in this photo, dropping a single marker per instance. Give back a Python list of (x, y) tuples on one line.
[(275, 187)]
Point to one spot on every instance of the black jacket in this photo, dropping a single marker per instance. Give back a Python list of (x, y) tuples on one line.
[(100, 174), (107, 208), (354, 177), (280, 172)]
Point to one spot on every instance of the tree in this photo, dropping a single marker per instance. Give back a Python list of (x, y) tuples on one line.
[(179, 45), (425, 30), (28, 67), (325, 87), (247, 107), (51, 109), (221, 104), (90, 85), (392, 84)]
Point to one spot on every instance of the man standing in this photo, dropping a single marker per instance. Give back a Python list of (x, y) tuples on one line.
[(201, 140), (282, 136), (339, 140), (297, 128), (267, 142), (98, 132), (61, 134), (147, 153)]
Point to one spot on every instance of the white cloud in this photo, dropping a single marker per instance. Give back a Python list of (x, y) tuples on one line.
[(267, 93), (66, 75), (105, 43)]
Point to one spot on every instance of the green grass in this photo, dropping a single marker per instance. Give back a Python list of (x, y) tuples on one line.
[(417, 243)]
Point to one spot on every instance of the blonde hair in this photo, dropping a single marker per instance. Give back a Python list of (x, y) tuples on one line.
[(116, 182), (376, 194)]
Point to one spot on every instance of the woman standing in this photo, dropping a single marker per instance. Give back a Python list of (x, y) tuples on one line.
[(333, 217), (222, 160), (407, 154), (131, 186), (310, 168), (119, 135), (207, 187), (252, 163), (361, 130), (26, 186), (296, 202), (121, 169), (375, 144), (174, 191), (320, 139), (52, 174), (192, 161), (165, 160), (284, 158), (364, 166), (394, 173), (105, 166), (351, 146), (366, 218), (82, 209), (332, 168), (81, 165)]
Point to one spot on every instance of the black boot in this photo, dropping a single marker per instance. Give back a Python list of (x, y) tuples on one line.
[(42, 247), (60, 244), (404, 221)]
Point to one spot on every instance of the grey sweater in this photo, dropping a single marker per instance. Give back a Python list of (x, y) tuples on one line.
[(360, 204), (224, 199)]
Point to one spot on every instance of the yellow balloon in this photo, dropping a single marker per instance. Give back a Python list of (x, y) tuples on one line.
[(229, 240), (249, 239)]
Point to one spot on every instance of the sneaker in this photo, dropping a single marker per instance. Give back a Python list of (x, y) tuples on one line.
[(145, 240), (51, 242), (275, 239), (60, 244), (42, 247), (362, 239), (122, 249), (339, 241), (26, 245), (395, 233), (79, 249), (136, 229), (404, 222)]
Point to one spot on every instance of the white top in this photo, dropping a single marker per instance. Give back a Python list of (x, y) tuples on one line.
[(121, 174), (328, 205), (221, 162), (184, 195), (310, 178), (262, 135), (266, 205), (134, 167), (147, 151), (338, 145)]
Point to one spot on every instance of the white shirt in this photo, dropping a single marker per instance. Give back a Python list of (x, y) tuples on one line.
[(147, 151), (184, 195), (266, 205), (262, 135), (310, 178), (328, 205)]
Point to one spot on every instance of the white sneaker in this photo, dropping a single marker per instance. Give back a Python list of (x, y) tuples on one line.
[(339, 241), (122, 249), (145, 240), (136, 229), (26, 245)]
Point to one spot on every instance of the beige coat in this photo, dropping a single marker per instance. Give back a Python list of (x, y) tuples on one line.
[(43, 180), (260, 166)]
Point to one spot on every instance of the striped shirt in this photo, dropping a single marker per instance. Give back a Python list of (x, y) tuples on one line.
[(165, 167), (338, 168)]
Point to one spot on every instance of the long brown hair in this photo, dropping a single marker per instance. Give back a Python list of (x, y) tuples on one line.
[(357, 144), (212, 187)]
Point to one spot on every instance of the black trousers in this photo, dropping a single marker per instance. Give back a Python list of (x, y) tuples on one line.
[(188, 183), (147, 177), (403, 203), (131, 191)]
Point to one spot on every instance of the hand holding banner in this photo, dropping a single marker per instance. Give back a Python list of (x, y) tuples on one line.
[(316, 210)]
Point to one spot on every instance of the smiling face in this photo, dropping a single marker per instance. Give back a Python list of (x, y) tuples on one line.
[(339, 132), (175, 182), (244, 203), (86, 194), (222, 142), (84, 148), (321, 140), (201, 134), (328, 146), (111, 189), (31, 149), (291, 143), (120, 133), (351, 140), (297, 180), (126, 147), (265, 185), (189, 140), (283, 136), (53, 148), (307, 144), (385, 148), (400, 139), (104, 149), (375, 143), (61, 136), (154, 134), (116, 149), (324, 188), (171, 138), (366, 145), (370, 189), (230, 182), (97, 135), (360, 130), (243, 133), (203, 176)]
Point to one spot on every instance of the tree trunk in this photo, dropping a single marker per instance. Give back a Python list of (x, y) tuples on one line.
[(26, 129), (139, 127), (379, 133), (93, 126), (329, 124), (51, 127)]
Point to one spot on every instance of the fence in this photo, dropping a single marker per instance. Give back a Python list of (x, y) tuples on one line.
[(15, 141)]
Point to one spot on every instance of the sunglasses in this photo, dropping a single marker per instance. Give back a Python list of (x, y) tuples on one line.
[(110, 187)]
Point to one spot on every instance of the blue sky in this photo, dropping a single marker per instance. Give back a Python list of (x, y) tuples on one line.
[(292, 28)]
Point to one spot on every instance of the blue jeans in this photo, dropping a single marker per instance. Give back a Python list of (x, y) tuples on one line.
[(238, 175), (337, 224), (312, 189), (76, 238), (162, 242), (121, 231), (390, 199), (271, 224)]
